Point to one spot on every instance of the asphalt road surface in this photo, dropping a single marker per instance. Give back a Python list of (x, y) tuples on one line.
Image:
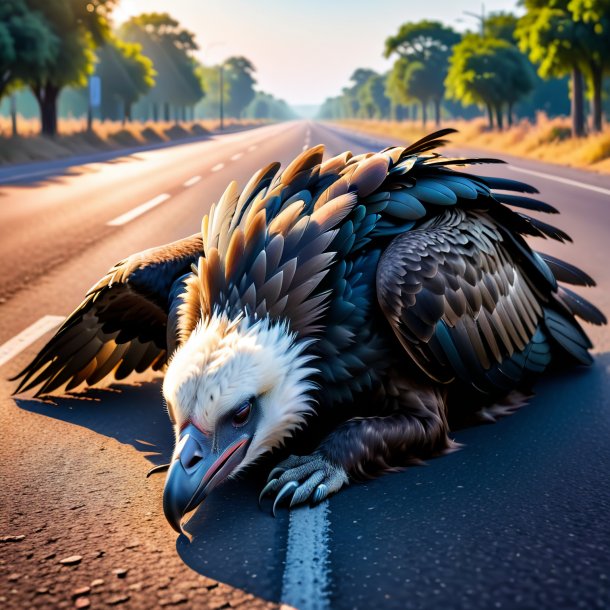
[(519, 518)]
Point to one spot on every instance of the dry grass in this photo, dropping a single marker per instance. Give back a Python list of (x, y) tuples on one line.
[(546, 139), (73, 138)]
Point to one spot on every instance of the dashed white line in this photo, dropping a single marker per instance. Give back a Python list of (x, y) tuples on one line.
[(192, 181), (26, 337), (138, 211), (582, 185), (305, 584), (253, 147), (237, 156), (218, 167)]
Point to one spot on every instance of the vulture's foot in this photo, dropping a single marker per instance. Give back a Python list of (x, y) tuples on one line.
[(302, 478)]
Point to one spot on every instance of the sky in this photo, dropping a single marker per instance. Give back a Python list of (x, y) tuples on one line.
[(305, 50)]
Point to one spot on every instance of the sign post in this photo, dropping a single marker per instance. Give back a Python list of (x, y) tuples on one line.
[(95, 98)]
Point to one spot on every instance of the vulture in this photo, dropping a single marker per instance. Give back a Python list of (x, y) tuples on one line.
[(344, 314)]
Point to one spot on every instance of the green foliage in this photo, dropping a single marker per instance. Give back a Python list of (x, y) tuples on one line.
[(501, 26), (426, 46), (489, 72), (372, 97), (239, 74), (27, 45), (266, 106), (169, 46), (125, 75)]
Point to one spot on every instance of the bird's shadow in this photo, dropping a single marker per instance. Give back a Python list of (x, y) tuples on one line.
[(117, 412), (232, 541), (229, 533)]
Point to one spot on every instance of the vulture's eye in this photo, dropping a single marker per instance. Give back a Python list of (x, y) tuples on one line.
[(242, 413)]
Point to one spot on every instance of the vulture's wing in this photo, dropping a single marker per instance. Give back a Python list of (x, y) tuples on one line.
[(465, 304), (120, 327)]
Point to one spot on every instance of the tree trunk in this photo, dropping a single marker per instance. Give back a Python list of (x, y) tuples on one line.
[(14, 116), (47, 95), (597, 82), (578, 110), (166, 114), (424, 115), (437, 112), (509, 114), (490, 116), (499, 118)]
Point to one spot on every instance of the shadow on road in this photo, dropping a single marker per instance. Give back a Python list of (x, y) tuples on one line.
[(518, 518), (131, 414)]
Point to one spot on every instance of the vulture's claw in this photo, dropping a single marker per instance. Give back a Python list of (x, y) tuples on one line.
[(309, 477), (275, 473), (319, 494), (286, 491), (272, 485)]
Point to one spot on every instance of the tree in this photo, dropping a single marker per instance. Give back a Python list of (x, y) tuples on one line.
[(372, 98), (27, 46), (556, 43), (594, 15), (239, 74), (78, 27), (501, 26), (125, 74), (396, 90), (426, 44), (170, 47), (489, 72)]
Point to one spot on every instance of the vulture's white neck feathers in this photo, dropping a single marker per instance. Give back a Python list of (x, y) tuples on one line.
[(224, 362)]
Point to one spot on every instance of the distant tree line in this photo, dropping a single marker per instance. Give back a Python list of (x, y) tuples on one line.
[(553, 58), (147, 67)]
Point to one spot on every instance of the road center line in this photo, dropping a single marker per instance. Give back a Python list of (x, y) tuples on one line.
[(138, 211), (306, 576), (26, 337), (218, 167), (582, 185), (192, 181), (237, 156)]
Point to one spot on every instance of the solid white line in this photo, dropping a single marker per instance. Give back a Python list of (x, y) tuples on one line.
[(138, 211), (306, 574), (305, 147), (26, 337), (237, 156), (218, 167), (191, 181), (582, 185), (253, 147)]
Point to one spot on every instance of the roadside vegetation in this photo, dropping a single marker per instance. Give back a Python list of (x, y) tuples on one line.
[(544, 139), (55, 55), (539, 80), (75, 139)]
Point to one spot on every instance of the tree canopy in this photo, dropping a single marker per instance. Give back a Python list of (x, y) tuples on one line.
[(426, 46), (489, 72)]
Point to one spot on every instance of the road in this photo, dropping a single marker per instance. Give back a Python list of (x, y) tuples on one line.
[(517, 519)]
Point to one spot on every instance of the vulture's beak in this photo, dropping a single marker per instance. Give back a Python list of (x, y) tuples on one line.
[(196, 469)]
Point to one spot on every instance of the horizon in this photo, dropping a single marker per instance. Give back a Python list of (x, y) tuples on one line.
[(311, 68)]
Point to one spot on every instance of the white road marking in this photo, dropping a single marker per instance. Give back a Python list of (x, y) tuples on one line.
[(191, 181), (218, 167), (253, 147), (305, 147), (26, 337), (138, 211), (582, 185), (237, 156), (306, 575)]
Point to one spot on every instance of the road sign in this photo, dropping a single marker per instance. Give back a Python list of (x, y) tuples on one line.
[(95, 91)]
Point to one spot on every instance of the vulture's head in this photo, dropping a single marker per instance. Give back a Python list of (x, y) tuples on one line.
[(234, 391)]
